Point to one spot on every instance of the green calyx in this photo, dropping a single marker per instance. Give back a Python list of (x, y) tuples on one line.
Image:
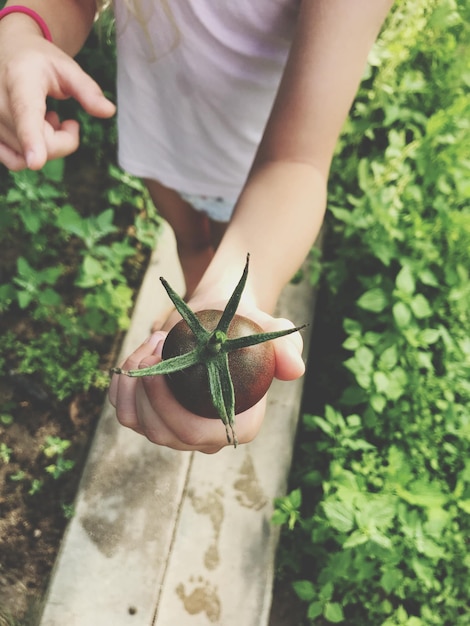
[(212, 350)]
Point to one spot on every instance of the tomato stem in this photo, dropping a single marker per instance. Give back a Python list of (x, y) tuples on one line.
[(186, 313), (232, 305)]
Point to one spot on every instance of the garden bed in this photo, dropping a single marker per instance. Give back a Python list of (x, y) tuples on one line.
[(376, 524), (49, 323)]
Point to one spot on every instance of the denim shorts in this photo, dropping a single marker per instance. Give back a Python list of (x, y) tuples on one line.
[(216, 208)]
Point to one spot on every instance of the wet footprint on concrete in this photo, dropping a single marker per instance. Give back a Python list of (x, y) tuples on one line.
[(249, 491), (201, 597), (210, 505)]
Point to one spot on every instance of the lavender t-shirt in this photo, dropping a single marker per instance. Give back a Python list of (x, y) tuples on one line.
[(196, 82)]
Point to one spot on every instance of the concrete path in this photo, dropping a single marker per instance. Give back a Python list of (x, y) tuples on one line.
[(167, 538)]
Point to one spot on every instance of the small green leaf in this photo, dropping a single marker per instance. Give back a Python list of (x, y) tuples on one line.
[(18, 476), (104, 223), (420, 306), (91, 272), (70, 220), (381, 540), (339, 516), (321, 423), (315, 609), (389, 358), (31, 220), (374, 300), (378, 402), (304, 590), (24, 298), (357, 538), (381, 381), (405, 281), (351, 343), (423, 493), (333, 612), (391, 579), (295, 498), (49, 297), (464, 505), (54, 170), (402, 315), (429, 336)]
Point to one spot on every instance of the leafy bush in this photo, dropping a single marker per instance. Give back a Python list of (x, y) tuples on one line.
[(380, 504)]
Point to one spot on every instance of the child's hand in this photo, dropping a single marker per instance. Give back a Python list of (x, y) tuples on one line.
[(147, 406), (32, 69)]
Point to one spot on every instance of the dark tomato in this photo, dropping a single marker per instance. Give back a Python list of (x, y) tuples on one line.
[(251, 369)]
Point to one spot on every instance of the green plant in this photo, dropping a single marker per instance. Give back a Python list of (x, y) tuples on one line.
[(383, 518), (36, 284), (55, 448), (287, 510), (18, 476), (36, 486), (7, 418), (5, 452), (68, 510), (63, 364), (36, 194), (132, 190), (89, 229), (108, 297)]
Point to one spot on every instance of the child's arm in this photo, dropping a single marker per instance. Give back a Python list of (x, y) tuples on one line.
[(281, 208), (278, 215), (31, 69)]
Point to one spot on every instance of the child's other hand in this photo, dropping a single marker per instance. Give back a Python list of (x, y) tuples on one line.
[(32, 69), (147, 406)]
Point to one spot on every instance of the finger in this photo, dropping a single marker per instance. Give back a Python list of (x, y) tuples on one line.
[(180, 429), (11, 159), (59, 141), (177, 427), (76, 83), (125, 405), (147, 347), (63, 140), (281, 323), (150, 423), (28, 107), (53, 119), (123, 388)]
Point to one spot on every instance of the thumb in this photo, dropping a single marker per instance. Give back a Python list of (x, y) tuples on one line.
[(288, 351)]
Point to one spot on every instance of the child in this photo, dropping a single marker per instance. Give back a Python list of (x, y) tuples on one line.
[(230, 110)]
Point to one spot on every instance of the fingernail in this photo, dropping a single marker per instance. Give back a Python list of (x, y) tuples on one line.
[(159, 348), (29, 157), (154, 338)]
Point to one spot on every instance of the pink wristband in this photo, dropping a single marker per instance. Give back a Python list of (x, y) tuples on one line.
[(27, 11)]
